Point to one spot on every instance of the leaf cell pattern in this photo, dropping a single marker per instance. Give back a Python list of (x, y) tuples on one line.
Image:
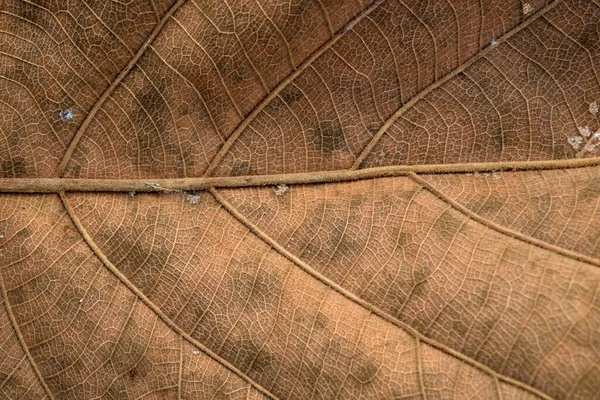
[(431, 229)]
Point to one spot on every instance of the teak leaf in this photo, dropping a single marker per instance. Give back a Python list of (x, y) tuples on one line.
[(299, 199)]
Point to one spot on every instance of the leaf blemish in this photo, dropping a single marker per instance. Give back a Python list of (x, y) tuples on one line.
[(281, 189), (66, 115), (575, 142), (193, 198), (593, 108), (329, 137)]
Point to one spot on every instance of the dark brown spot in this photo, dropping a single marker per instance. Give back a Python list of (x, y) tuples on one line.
[(291, 95), (592, 190), (460, 328), (295, 19), (22, 235), (363, 370), (321, 321), (255, 289), (328, 137), (252, 357), (402, 238), (140, 262), (241, 168), (447, 225), (151, 117), (26, 11), (230, 69), (490, 206), (14, 168)]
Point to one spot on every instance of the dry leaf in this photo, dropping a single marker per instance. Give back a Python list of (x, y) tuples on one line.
[(299, 199)]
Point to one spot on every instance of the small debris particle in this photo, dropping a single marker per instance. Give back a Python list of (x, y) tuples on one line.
[(597, 135), (593, 107), (496, 175), (585, 131), (193, 198), (476, 173), (158, 187), (195, 352), (493, 42), (527, 8), (81, 300), (154, 185), (281, 189), (575, 142), (66, 115)]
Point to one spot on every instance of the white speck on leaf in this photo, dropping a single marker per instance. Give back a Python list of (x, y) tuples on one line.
[(66, 115), (153, 185), (131, 194), (597, 134), (193, 198), (81, 300), (496, 175), (591, 147), (527, 8), (476, 173), (585, 131), (575, 142), (158, 187), (593, 107), (493, 42), (195, 352), (281, 189)]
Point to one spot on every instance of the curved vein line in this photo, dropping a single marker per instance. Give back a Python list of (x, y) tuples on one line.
[(66, 33), (191, 85), (114, 84), (180, 373), (214, 63), (41, 68), (11, 373), (283, 84), (502, 229), (55, 185), (366, 305), (15, 326), (497, 385), (565, 34), (42, 54), (546, 72), (6, 78), (467, 75), (481, 54), (125, 281), (107, 27), (420, 367)]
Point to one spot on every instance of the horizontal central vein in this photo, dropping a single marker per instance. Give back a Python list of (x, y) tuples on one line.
[(56, 185)]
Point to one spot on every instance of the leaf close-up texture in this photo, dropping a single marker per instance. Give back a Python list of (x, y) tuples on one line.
[(300, 199)]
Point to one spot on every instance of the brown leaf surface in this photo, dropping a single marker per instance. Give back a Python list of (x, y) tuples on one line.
[(418, 214)]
